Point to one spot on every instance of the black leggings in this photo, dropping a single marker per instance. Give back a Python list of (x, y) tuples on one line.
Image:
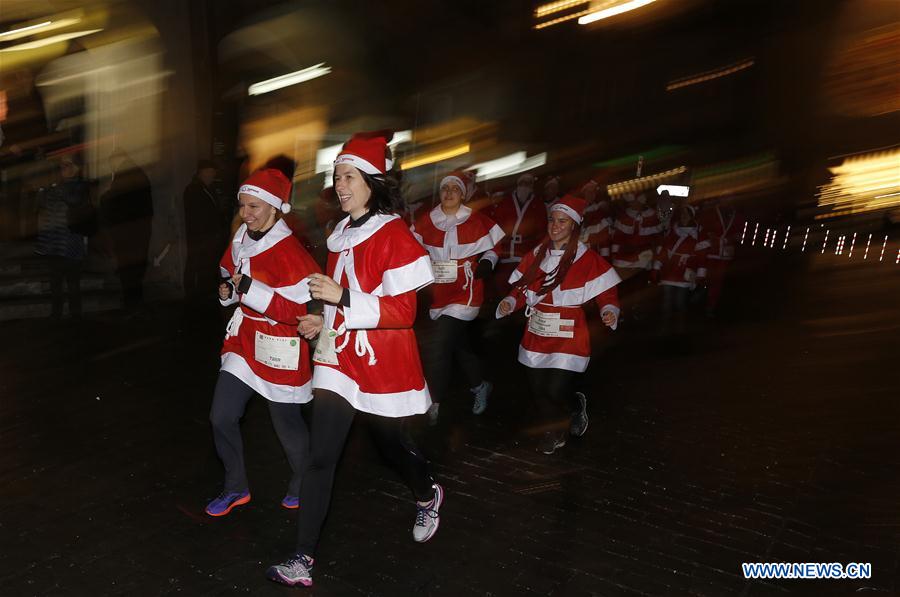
[(554, 393), (229, 403), (451, 342), (331, 419)]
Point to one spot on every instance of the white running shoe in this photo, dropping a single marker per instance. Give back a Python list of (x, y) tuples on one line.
[(296, 571), (579, 422), (427, 518), (481, 391)]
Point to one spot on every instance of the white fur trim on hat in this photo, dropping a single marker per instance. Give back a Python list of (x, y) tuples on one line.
[(358, 163), (566, 210), (273, 200), (455, 180)]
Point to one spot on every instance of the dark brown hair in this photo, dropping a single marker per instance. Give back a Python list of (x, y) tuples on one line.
[(554, 278)]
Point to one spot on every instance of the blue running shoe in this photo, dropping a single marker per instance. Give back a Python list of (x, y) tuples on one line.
[(291, 502), (223, 504)]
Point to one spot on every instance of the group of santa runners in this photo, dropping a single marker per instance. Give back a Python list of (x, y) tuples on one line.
[(357, 357)]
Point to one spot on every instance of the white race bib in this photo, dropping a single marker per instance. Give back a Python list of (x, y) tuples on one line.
[(445, 272), (548, 325), (278, 352), (325, 353)]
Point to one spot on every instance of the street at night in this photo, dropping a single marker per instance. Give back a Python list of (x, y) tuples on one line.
[(457, 297)]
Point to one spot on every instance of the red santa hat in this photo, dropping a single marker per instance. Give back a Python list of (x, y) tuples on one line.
[(270, 185), (571, 206), (462, 179), (367, 152)]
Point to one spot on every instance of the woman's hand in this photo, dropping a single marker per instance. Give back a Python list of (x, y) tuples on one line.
[(505, 307), (310, 326), (323, 288), (608, 318), (224, 291)]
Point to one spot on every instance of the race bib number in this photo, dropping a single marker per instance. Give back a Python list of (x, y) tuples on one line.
[(325, 353), (278, 352), (549, 325), (445, 272)]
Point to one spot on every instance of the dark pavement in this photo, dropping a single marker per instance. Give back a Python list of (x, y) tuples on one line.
[(770, 435)]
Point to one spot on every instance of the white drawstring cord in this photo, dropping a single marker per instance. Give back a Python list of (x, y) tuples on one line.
[(342, 331), (470, 280), (361, 345), (234, 324)]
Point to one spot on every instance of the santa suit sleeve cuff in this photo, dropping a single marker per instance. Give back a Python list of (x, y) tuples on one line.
[(259, 296), (491, 257), (364, 311)]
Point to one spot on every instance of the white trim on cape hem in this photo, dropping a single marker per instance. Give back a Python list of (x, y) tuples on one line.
[(236, 365), (456, 311), (553, 360), (394, 405)]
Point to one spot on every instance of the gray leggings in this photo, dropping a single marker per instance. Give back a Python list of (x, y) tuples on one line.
[(229, 403)]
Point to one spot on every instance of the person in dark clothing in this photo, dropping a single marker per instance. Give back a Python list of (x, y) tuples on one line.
[(64, 248), (206, 232), (127, 209)]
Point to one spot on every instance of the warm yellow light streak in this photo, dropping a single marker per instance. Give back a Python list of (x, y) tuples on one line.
[(862, 183), (46, 41), (23, 31), (643, 183), (559, 20), (552, 7), (438, 156), (613, 11), (709, 75)]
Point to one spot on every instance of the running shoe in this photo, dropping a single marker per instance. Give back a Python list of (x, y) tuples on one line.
[(481, 391), (551, 442), (579, 422), (427, 517), (291, 502), (296, 571), (226, 501)]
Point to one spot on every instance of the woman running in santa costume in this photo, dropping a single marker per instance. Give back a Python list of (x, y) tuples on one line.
[(366, 359), (679, 264), (265, 273), (460, 243), (552, 282)]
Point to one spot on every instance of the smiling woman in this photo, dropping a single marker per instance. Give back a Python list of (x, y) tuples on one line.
[(366, 359), (264, 272), (552, 283)]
